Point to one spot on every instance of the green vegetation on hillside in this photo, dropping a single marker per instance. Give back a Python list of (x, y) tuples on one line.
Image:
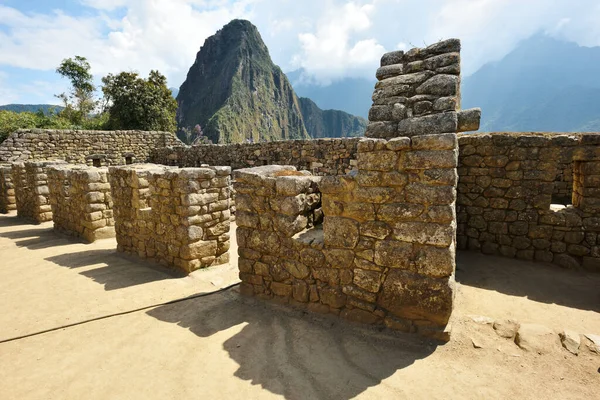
[(320, 123), (19, 108), (10, 121)]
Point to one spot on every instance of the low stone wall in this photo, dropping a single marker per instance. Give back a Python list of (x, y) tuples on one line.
[(7, 190), (31, 190), (385, 253), (506, 186), (81, 201), (321, 156), (97, 148), (177, 217)]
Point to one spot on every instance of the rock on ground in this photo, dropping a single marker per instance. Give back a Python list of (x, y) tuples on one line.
[(570, 340), (536, 338), (506, 328)]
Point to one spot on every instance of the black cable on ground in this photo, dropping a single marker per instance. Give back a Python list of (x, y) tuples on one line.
[(195, 296)]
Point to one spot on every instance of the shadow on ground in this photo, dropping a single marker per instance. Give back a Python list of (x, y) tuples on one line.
[(540, 282), (31, 237), (296, 354), (112, 269)]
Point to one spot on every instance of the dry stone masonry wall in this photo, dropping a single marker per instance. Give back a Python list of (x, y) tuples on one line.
[(102, 148), (505, 193), (178, 217), (7, 190), (81, 201), (418, 93), (31, 190), (385, 253), (321, 156)]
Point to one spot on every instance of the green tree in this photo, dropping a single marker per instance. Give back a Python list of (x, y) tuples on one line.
[(79, 102), (137, 103)]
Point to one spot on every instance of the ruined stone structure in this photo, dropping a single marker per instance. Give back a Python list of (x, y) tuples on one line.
[(81, 201), (7, 190), (386, 250), (31, 190), (94, 148), (506, 187), (178, 217), (320, 156), (418, 93)]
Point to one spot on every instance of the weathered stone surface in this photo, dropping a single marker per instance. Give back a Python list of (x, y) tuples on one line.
[(375, 229), (440, 85), (429, 124), (506, 328), (388, 71), (468, 120), (424, 233), (402, 295), (391, 58), (536, 338), (446, 141), (394, 254), (367, 280), (407, 79), (570, 340), (436, 262), (341, 232)]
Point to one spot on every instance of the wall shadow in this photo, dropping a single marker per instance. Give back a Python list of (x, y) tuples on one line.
[(545, 283), (114, 270), (297, 354), (32, 236)]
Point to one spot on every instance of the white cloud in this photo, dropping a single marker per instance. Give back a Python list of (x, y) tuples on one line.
[(162, 34), (332, 50)]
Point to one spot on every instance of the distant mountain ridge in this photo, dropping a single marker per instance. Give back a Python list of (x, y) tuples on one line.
[(235, 93), (544, 84), (46, 108), (352, 95)]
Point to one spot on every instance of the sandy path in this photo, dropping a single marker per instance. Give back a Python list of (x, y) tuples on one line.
[(49, 280)]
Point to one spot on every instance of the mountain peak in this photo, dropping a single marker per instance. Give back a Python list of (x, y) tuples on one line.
[(236, 94)]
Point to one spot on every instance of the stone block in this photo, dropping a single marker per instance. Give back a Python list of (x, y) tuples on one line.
[(411, 296), (429, 124)]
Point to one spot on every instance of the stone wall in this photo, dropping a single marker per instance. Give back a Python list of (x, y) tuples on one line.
[(102, 148), (7, 190), (321, 156), (505, 193), (81, 201), (385, 252), (177, 217), (31, 190), (418, 93)]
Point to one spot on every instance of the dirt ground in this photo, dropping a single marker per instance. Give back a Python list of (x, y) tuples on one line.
[(223, 345)]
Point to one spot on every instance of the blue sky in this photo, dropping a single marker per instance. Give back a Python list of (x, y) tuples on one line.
[(330, 39)]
